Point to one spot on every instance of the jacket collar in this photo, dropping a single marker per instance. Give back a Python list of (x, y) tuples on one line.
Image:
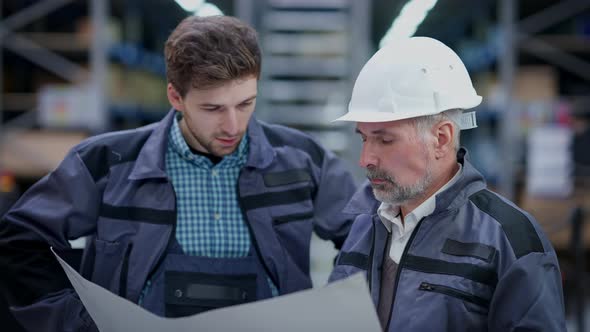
[(151, 159), (261, 153), (470, 181)]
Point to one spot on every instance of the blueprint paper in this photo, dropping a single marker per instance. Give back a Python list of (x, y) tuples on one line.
[(341, 306)]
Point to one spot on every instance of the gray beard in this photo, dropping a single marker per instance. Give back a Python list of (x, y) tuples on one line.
[(395, 194)]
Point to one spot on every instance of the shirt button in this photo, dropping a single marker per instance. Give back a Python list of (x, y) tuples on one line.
[(217, 216), (214, 173)]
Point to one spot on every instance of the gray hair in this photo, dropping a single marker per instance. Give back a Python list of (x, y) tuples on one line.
[(424, 123)]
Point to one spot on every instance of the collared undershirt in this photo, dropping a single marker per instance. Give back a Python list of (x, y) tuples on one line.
[(401, 232), (209, 220)]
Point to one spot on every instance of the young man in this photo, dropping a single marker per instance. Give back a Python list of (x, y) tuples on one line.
[(204, 209), (440, 251)]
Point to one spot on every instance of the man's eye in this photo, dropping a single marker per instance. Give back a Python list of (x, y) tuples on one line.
[(386, 141)]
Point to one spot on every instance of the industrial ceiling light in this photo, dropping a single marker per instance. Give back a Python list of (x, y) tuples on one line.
[(408, 20), (199, 7), (190, 5), (208, 9)]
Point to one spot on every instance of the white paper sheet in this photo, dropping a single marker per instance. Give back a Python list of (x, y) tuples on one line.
[(340, 306)]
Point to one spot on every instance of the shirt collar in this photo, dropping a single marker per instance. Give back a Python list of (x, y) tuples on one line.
[(179, 145), (390, 214)]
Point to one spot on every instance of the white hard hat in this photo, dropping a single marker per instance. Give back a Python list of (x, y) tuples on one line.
[(414, 77)]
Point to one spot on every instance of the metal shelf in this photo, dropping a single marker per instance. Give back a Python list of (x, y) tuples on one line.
[(299, 66), (44, 50), (312, 52), (306, 21)]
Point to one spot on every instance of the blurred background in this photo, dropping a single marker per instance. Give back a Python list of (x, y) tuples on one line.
[(74, 68)]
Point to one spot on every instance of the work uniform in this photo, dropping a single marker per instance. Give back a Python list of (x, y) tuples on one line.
[(476, 263)]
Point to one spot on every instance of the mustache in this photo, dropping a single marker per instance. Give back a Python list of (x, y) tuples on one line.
[(375, 173)]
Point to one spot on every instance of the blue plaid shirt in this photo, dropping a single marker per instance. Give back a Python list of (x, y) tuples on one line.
[(209, 219)]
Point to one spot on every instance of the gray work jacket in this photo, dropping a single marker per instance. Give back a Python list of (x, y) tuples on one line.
[(477, 263)]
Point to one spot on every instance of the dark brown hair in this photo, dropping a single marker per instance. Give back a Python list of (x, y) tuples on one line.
[(205, 52)]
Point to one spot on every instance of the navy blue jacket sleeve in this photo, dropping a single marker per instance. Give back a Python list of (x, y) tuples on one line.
[(63, 205), (528, 296), (336, 187)]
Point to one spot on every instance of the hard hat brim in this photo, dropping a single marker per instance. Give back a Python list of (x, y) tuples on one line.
[(379, 116), (371, 116)]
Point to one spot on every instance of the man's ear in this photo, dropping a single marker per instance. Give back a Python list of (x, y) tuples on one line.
[(444, 133), (174, 98)]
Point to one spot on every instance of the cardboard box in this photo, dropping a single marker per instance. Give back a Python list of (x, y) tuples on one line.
[(554, 214)]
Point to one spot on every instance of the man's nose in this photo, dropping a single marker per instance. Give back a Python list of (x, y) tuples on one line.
[(230, 124), (368, 156)]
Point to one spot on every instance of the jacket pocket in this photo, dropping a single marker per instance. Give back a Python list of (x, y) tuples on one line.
[(459, 294), (109, 257), (480, 251)]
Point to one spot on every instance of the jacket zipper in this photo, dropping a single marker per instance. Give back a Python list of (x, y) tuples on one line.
[(428, 287), (254, 241), (371, 253), (400, 267)]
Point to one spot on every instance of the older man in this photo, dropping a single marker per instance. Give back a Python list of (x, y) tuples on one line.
[(440, 251)]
